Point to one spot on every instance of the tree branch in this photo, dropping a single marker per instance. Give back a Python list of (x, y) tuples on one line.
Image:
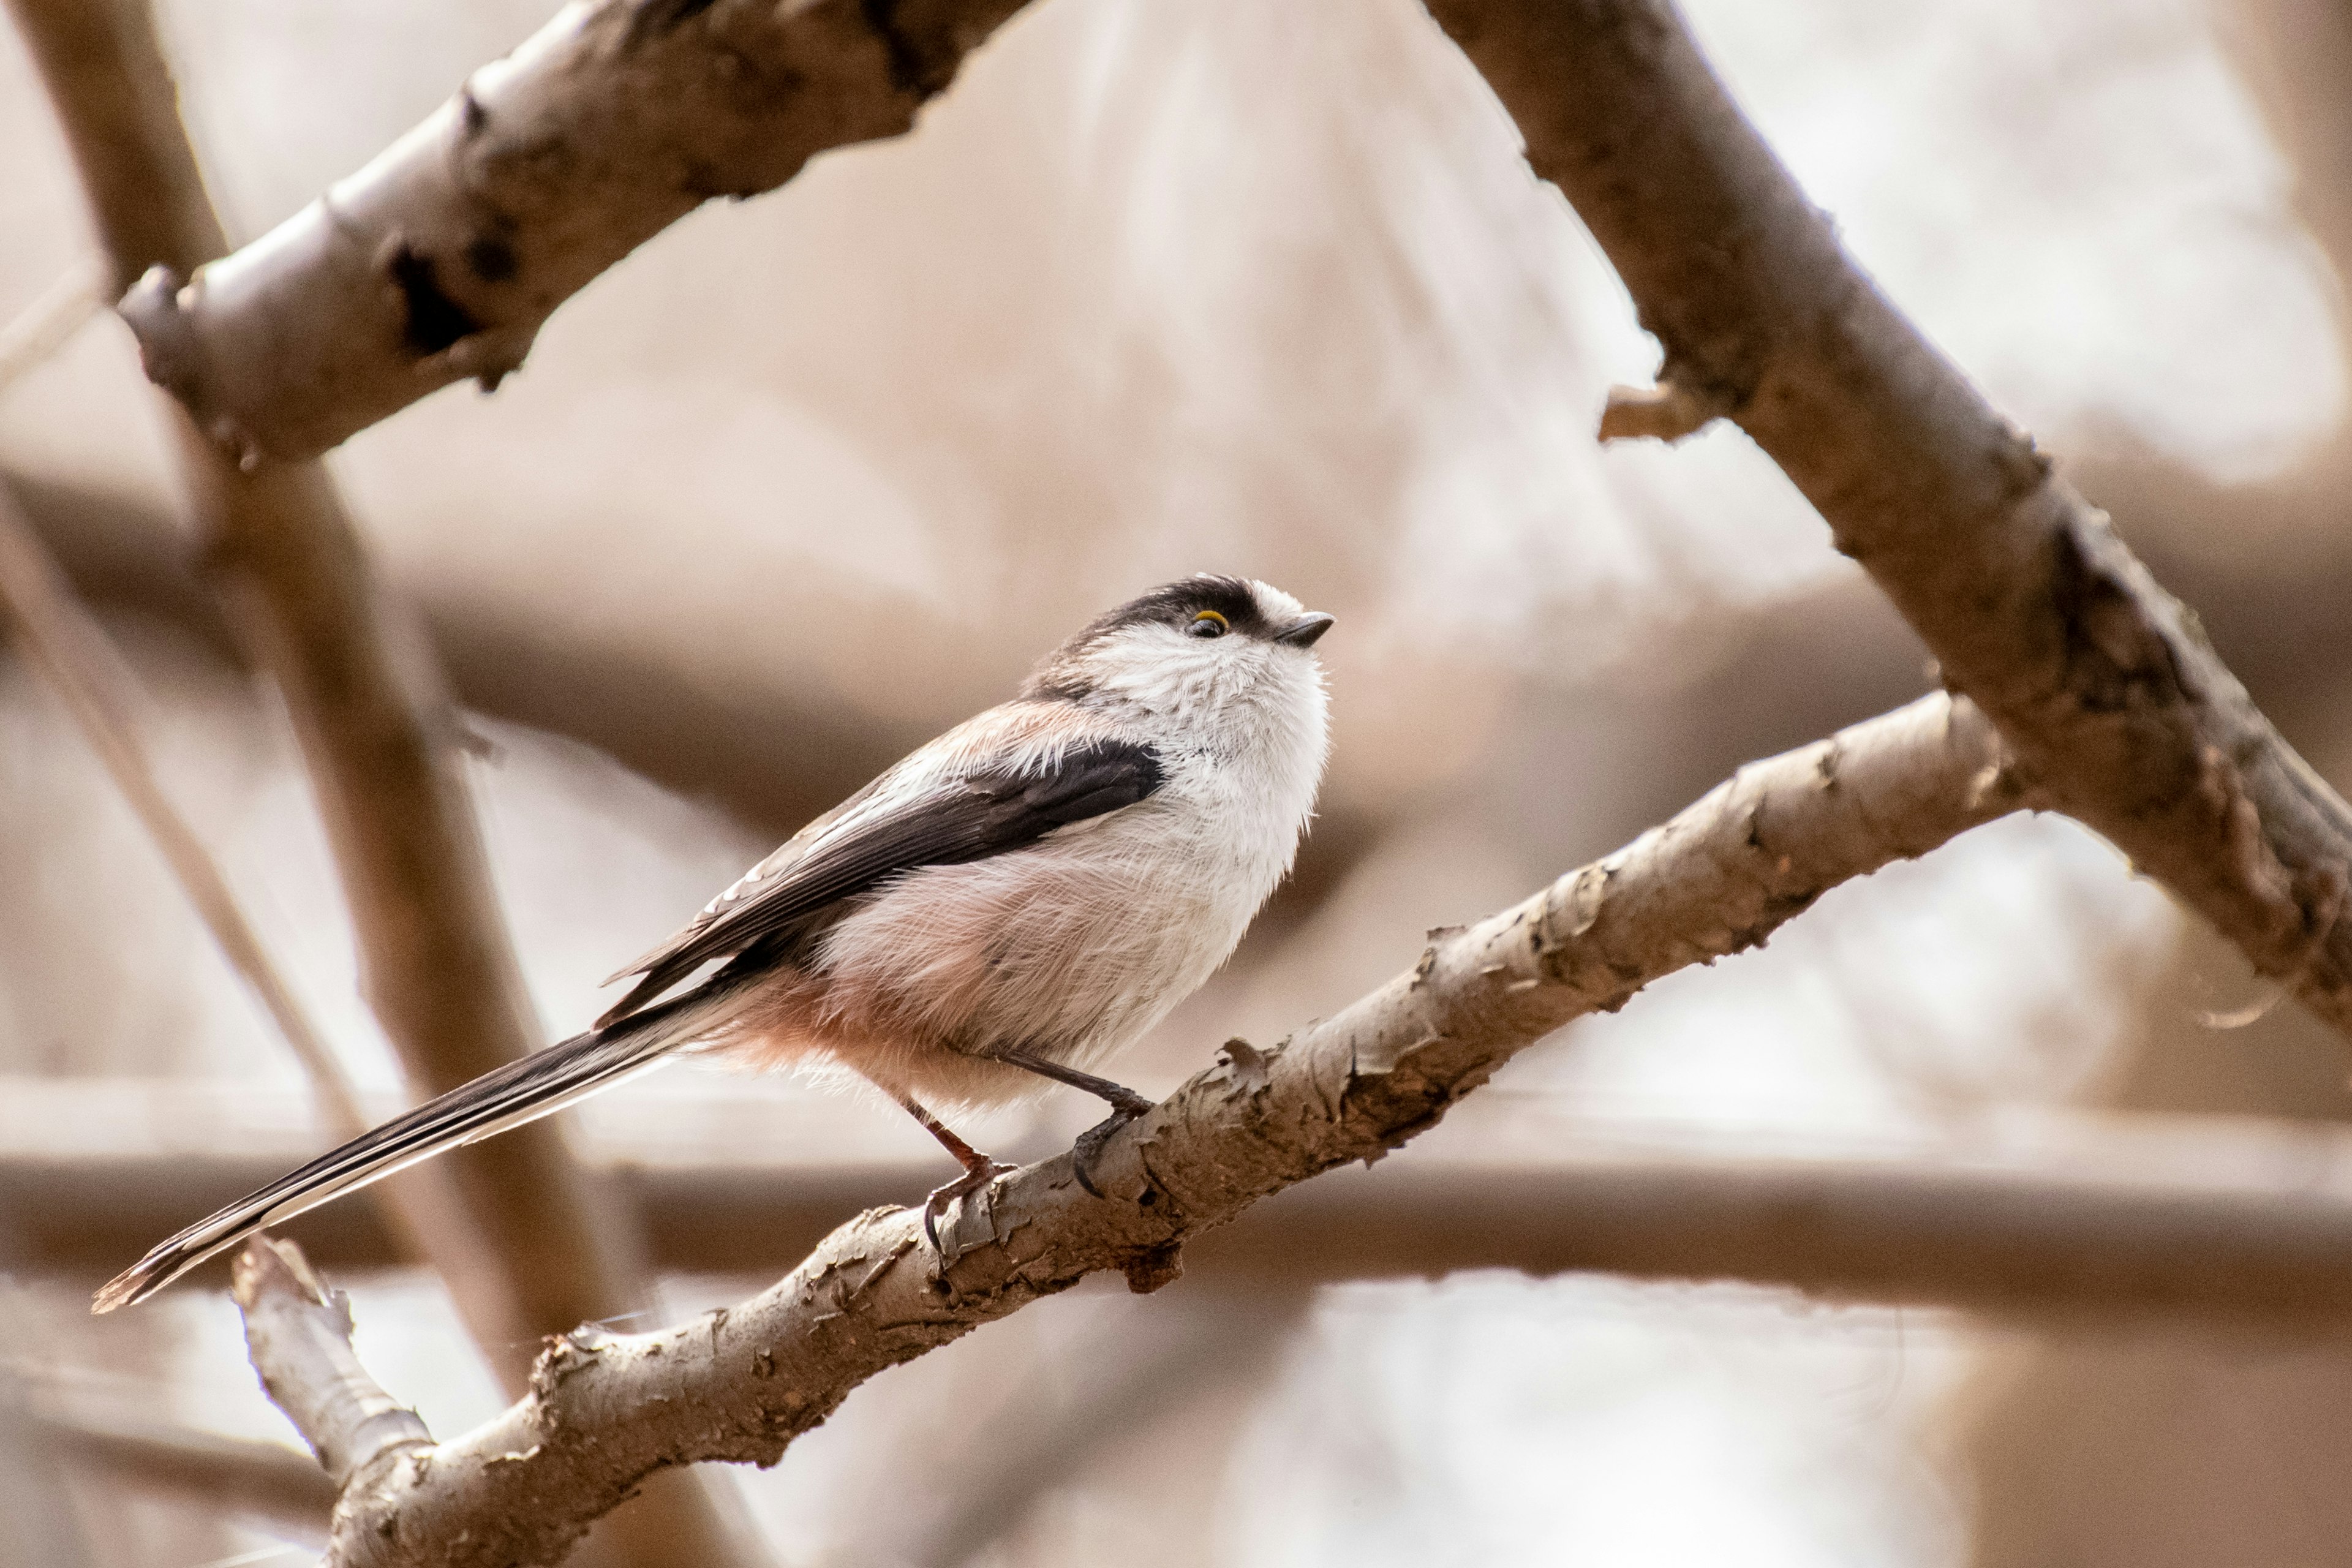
[(2102, 681), (2092, 1216), (299, 1335), (605, 1411), (367, 709), (98, 689), (240, 1476), (439, 260), (376, 729)]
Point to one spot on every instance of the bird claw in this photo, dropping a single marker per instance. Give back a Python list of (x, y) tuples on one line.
[(974, 1179), (1089, 1146)]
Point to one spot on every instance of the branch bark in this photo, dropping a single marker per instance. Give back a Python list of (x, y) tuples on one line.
[(2102, 681), (604, 1411), (438, 261), (298, 1334)]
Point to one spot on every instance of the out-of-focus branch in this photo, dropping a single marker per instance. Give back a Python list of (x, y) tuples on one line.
[(375, 730), (298, 1334), (49, 322), (269, 1482), (2111, 1217), (373, 723), (2104, 683), (439, 260), (71, 650), (740, 1384)]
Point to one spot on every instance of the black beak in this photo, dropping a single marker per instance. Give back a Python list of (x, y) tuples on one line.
[(1302, 632)]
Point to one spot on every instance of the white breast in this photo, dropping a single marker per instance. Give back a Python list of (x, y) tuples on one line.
[(1075, 946)]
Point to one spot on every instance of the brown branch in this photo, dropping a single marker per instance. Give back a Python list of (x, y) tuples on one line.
[(366, 706), (50, 322), (97, 688), (2102, 681), (269, 1482), (2113, 1216), (375, 730), (439, 260), (605, 1411)]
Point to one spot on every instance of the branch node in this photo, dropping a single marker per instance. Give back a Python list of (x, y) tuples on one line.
[(1155, 1268), (1668, 412)]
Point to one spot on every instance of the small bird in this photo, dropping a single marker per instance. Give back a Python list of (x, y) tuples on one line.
[(1010, 904)]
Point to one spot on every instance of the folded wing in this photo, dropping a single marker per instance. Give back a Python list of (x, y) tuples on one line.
[(963, 815)]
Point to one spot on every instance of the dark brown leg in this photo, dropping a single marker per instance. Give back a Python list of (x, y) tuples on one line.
[(979, 1170), (1126, 1105)]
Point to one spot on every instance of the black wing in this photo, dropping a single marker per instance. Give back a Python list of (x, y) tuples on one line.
[(967, 818)]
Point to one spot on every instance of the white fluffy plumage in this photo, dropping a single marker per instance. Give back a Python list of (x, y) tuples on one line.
[(1022, 897)]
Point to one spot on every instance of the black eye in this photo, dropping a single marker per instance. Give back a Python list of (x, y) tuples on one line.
[(1208, 623)]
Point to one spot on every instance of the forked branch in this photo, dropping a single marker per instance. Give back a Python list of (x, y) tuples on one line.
[(2102, 681)]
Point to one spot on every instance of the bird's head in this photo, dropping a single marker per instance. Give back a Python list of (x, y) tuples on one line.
[(1208, 649)]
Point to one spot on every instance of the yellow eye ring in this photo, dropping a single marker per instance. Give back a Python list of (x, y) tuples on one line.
[(1209, 624)]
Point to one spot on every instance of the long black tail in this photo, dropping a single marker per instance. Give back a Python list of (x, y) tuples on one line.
[(537, 1085)]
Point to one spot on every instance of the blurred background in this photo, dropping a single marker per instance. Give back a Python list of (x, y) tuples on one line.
[(1160, 287)]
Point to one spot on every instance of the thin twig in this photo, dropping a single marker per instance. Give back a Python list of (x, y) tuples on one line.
[(50, 322), (66, 643), (64, 640), (1667, 412)]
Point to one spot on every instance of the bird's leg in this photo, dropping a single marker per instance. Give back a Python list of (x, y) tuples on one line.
[(979, 1170), (1126, 1105)]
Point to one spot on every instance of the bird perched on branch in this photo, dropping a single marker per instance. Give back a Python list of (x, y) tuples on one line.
[(1011, 903)]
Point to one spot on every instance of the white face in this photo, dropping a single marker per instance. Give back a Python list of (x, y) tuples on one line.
[(1198, 666)]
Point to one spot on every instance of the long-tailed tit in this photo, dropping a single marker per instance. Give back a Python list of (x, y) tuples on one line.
[(1014, 902)]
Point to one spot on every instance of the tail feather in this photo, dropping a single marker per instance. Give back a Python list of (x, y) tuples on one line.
[(537, 1085)]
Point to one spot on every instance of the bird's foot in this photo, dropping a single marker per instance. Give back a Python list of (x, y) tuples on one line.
[(1089, 1146), (975, 1178)]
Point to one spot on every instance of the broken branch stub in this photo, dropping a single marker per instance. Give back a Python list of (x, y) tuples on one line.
[(438, 261)]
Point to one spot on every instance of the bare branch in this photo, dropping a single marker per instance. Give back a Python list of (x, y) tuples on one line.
[(270, 1482), (439, 260), (49, 322), (81, 664), (2109, 1215), (368, 710), (2104, 683), (300, 1336), (605, 1411), (376, 729)]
